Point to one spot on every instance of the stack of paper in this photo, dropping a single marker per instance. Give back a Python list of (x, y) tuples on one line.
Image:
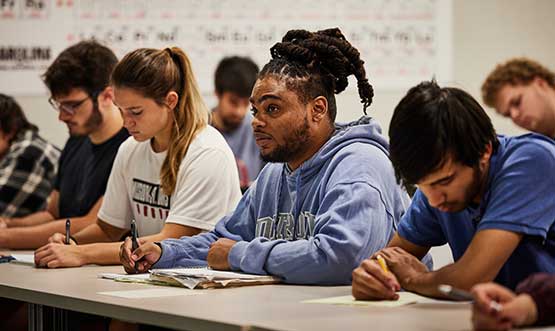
[(194, 278), (207, 278)]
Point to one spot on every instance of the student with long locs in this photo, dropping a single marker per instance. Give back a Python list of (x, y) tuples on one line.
[(175, 177), (328, 196)]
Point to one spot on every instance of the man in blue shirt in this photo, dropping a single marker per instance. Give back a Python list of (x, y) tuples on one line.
[(328, 197), (491, 198), (233, 80)]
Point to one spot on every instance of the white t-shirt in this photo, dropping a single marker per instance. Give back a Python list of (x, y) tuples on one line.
[(207, 186)]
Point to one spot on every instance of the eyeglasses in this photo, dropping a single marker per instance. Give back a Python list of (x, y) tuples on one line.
[(70, 107)]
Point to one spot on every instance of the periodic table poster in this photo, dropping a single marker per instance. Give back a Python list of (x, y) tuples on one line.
[(401, 41)]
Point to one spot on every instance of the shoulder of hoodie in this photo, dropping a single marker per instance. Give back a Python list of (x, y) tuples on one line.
[(359, 162)]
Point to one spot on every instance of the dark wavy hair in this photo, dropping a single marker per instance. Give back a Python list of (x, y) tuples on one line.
[(12, 117), (431, 123), (318, 64), (237, 75), (86, 65)]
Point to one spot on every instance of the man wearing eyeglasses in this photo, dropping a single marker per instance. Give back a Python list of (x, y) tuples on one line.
[(78, 81)]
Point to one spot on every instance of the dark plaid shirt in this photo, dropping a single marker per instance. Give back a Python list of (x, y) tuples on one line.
[(27, 173)]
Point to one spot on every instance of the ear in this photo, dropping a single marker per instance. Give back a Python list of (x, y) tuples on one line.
[(319, 109), (486, 156), (106, 97), (172, 99)]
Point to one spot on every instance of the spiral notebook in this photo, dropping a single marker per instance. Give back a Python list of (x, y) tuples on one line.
[(195, 278)]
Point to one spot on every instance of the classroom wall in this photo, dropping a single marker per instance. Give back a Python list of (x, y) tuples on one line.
[(485, 32)]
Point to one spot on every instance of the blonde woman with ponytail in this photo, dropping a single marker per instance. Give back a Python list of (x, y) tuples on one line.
[(176, 176)]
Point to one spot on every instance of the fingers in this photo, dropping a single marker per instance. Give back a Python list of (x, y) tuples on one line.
[(484, 294), (57, 238), (146, 249), (125, 254), (45, 257), (388, 279), (484, 321), (369, 282)]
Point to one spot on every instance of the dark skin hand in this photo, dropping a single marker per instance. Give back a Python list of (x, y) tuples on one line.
[(218, 254)]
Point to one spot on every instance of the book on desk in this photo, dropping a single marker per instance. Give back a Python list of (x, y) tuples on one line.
[(195, 278)]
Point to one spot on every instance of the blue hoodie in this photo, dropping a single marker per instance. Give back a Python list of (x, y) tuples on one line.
[(313, 225)]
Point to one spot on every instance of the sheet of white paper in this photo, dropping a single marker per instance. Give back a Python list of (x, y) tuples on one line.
[(151, 293), (405, 298), (24, 258)]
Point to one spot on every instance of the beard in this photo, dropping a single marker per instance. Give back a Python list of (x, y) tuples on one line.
[(230, 125), (294, 145), (471, 192), (91, 124)]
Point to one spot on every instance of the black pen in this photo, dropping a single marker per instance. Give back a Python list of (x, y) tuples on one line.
[(68, 230), (134, 242)]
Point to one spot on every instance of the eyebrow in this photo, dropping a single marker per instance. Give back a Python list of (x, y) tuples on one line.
[(264, 98), (128, 108), (442, 179)]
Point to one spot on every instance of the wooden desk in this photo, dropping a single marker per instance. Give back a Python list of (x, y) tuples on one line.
[(269, 307)]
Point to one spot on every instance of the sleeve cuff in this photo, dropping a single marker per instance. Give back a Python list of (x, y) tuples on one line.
[(236, 255), (166, 259)]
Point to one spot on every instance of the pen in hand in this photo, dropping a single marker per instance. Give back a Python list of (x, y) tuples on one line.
[(68, 231), (134, 242), (383, 265)]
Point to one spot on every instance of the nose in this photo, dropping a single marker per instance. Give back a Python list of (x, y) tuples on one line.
[(127, 121), (435, 197), (63, 116), (257, 121), (514, 113)]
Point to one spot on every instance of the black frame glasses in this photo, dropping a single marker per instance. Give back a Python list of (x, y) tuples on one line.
[(70, 107)]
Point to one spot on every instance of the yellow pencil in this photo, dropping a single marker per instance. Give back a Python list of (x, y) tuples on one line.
[(381, 262)]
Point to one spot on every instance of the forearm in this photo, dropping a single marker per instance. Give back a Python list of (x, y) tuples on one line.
[(100, 253), (92, 234), (454, 274), (37, 218), (33, 237)]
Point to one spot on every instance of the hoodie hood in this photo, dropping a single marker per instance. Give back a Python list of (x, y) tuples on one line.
[(364, 130)]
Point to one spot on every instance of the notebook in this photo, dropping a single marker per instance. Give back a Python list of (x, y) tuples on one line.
[(194, 278)]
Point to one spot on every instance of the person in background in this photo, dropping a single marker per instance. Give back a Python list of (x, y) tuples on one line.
[(523, 90), (28, 163), (485, 195), (328, 196), (175, 177), (532, 304), (234, 79), (78, 81)]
